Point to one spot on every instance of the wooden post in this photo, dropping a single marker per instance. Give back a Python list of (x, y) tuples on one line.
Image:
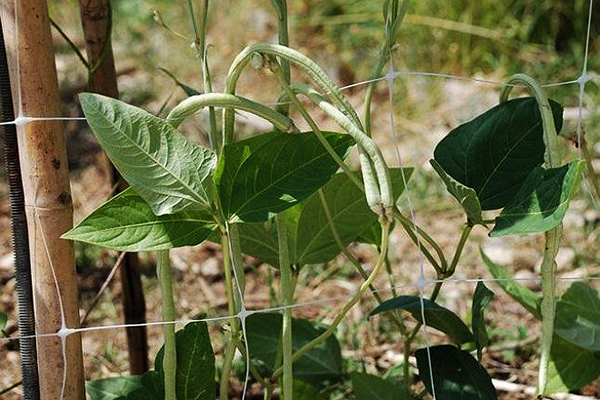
[(47, 197), (95, 19)]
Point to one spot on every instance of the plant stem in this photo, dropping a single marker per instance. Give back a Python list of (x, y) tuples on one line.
[(283, 36), (385, 224), (237, 262), (553, 236), (170, 352), (548, 307), (394, 17), (232, 336), (200, 42), (464, 236), (410, 227), (72, 45), (194, 103), (286, 291), (227, 365)]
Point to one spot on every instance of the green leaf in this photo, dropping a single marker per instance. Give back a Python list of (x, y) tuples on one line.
[(3, 321), (465, 196), (167, 170), (371, 235), (481, 299), (127, 223), (456, 374), (495, 152), (259, 240), (542, 201), (571, 367), (152, 388), (305, 391), (322, 363), (371, 387), (113, 388), (310, 238), (269, 173), (578, 316), (195, 377), (519, 293), (436, 316)]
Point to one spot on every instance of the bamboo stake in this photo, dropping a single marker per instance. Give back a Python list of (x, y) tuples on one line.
[(47, 198), (96, 20)]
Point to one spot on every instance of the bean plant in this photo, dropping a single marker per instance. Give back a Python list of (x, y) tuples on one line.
[(291, 199)]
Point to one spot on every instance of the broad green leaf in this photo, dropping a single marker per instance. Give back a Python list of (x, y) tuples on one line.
[(371, 235), (268, 173), (465, 196), (456, 374), (481, 299), (195, 363), (259, 240), (371, 387), (152, 388), (571, 367), (167, 170), (495, 152), (322, 363), (436, 316), (542, 201), (519, 293), (113, 388), (195, 378), (578, 316), (310, 237), (126, 222)]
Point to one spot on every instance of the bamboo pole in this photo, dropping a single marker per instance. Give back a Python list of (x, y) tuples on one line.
[(47, 197), (96, 20)]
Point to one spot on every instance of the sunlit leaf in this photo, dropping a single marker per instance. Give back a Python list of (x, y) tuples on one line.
[(495, 152), (571, 367), (518, 292), (167, 170), (113, 388), (266, 174), (310, 236), (542, 201), (466, 197), (126, 222), (578, 316)]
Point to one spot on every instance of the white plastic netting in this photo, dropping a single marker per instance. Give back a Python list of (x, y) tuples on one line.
[(402, 157)]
